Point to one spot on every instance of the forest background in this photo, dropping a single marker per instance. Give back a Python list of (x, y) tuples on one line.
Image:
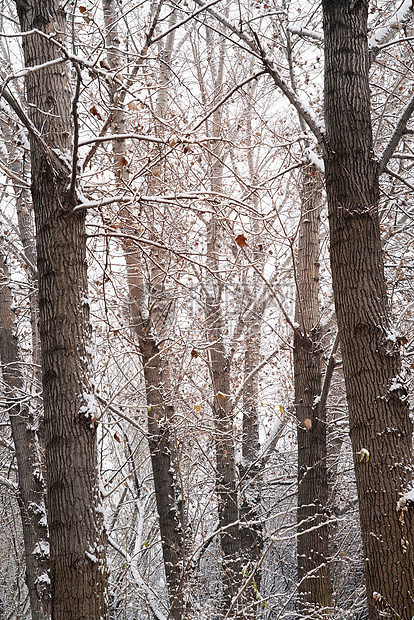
[(206, 310)]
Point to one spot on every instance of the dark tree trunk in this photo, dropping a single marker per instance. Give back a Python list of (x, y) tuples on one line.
[(75, 515), (161, 439), (315, 588), (29, 467), (378, 409), (251, 527), (226, 483)]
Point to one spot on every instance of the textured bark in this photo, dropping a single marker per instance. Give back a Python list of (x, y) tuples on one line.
[(155, 369), (226, 483), (378, 409), (315, 588), (75, 516), (251, 528), (161, 440), (29, 467)]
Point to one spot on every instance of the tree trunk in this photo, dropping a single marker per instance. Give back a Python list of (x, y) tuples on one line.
[(251, 475), (161, 440), (159, 404), (380, 426), (75, 514), (219, 366), (29, 467), (226, 487), (315, 588)]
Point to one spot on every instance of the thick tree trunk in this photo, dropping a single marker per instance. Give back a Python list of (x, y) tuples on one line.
[(378, 409), (29, 467), (75, 515), (315, 588)]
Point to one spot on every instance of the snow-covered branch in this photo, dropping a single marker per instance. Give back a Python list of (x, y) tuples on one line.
[(399, 131), (383, 35), (254, 45), (310, 34), (150, 595)]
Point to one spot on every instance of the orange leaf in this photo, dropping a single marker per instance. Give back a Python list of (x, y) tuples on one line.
[(308, 423)]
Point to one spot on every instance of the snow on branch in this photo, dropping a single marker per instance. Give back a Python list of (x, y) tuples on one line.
[(254, 45), (399, 131), (310, 34), (151, 597), (385, 34)]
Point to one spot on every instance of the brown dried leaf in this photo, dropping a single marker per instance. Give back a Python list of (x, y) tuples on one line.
[(93, 110), (241, 241), (308, 424), (123, 162), (116, 437)]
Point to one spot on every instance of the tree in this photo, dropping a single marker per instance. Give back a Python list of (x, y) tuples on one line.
[(75, 515), (380, 426), (315, 586), (30, 476)]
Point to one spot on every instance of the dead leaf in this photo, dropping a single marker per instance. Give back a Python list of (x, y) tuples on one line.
[(308, 424), (123, 162), (241, 241), (93, 110), (116, 437)]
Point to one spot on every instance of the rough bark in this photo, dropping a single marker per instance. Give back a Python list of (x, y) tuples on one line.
[(378, 409), (161, 440), (75, 516), (315, 588), (155, 368), (226, 482), (30, 475)]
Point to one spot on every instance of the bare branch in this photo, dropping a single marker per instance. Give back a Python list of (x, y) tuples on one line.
[(399, 131), (321, 404), (254, 45)]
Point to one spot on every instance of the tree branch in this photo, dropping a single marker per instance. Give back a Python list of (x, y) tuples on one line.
[(255, 47), (399, 131), (321, 404)]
